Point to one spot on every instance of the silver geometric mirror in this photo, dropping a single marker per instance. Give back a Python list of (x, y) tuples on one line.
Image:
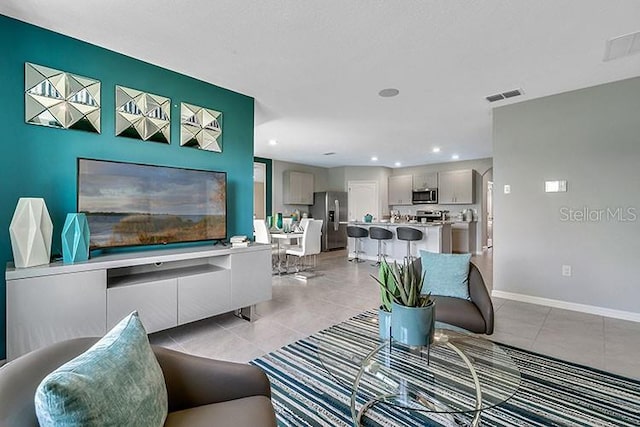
[(62, 100), (200, 128), (142, 115)]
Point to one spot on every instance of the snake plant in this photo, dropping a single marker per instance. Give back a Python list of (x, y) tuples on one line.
[(401, 284)]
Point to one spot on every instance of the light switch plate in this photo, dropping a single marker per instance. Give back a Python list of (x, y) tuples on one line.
[(507, 189), (555, 186), (566, 270)]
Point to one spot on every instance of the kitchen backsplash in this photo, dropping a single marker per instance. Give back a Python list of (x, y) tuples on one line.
[(454, 210)]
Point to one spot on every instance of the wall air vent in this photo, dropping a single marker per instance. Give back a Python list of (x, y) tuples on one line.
[(504, 95), (622, 46)]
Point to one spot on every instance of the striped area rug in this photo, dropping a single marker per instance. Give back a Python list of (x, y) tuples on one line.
[(552, 392)]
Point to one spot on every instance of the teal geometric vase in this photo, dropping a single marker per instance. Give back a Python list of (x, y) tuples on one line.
[(75, 238)]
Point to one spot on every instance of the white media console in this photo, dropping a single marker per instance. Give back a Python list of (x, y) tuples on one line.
[(168, 287)]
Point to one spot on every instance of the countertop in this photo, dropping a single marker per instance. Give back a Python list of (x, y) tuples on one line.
[(403, 224)]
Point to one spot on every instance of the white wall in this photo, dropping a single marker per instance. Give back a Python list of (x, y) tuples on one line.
[(481, 166), (591, 138), (320, 183)]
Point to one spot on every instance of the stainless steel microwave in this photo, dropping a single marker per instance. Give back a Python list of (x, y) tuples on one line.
[(425, 196)]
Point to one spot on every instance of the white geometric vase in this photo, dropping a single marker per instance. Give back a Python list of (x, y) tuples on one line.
[(31, 231)]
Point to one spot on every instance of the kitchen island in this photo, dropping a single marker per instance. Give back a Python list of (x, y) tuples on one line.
[(436, 237)]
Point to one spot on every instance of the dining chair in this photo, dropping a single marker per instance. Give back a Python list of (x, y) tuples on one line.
[(262, 235), (261, 232), (310, 245)]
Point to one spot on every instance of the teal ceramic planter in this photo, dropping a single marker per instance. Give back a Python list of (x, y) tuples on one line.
[(413, 325), (384, 324)]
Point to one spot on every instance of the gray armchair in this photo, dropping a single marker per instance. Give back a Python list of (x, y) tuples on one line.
[(475, 315), (201, 392)]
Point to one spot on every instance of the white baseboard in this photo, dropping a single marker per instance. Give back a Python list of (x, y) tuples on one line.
[(584, 308)]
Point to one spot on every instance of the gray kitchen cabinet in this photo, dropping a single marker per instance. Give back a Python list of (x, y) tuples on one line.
[(463, 237), (456, 187), (426, 180), (400, 189), (298, 188)]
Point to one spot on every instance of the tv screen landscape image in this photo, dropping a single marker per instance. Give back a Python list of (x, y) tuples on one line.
[(130, 204)]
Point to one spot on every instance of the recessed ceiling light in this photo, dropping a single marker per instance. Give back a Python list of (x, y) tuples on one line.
[(374, 159), (273, 142), (436, 149), (455, 157), (397, 164), (389, 92)]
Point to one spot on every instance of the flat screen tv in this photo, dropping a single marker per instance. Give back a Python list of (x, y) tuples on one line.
[(129, 204)]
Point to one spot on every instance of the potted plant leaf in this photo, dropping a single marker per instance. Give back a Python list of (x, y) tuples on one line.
[(412, 312), (388, 290)]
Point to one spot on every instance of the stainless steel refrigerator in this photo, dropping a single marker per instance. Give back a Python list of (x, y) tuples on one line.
[(331, 207)]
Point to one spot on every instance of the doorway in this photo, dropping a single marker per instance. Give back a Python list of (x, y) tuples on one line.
[(259, 190), (362, 199), (487, 209), (489, 214)]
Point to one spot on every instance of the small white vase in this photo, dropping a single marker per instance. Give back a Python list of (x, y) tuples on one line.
[(31, 231)]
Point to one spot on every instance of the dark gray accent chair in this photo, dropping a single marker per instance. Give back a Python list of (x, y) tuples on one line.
[(202, 392), (474, 315)]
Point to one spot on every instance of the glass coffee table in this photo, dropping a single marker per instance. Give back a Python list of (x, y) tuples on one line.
[(458, 374)]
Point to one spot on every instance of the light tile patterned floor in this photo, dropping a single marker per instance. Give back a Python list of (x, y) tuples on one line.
[(343, 289)]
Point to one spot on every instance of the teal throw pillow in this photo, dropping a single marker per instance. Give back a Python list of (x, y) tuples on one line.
[(446, 274), (117, 382)]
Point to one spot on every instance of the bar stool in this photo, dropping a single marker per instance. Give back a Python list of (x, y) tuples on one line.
[(410, 235), (357, 233), (379, 234)]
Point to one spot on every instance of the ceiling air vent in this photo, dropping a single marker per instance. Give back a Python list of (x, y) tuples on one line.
[(504, 95), (621, 46)]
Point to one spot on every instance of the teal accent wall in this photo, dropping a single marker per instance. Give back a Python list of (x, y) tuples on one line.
[(37, 161), (269, 184)]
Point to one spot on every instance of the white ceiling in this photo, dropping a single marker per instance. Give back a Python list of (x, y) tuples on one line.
[(315, 67)]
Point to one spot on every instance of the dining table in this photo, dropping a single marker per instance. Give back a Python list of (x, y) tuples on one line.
[(282, 236)]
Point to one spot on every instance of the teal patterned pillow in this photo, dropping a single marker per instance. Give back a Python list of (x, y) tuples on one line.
[(446, 274), (117, 382)]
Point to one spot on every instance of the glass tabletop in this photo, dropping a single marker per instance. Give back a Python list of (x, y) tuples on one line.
[(458, 373)]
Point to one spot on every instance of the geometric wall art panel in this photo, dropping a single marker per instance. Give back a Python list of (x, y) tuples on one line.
[(200, 128), (62, 100), (142, 115), (75, 238)]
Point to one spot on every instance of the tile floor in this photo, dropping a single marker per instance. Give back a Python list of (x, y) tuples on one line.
[(342, 289)]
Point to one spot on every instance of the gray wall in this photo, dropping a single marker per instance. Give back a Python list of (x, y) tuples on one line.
[(481, 166), (320, 183), (590, 137)]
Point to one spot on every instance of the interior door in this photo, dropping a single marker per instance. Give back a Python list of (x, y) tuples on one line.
[(363, 199)]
